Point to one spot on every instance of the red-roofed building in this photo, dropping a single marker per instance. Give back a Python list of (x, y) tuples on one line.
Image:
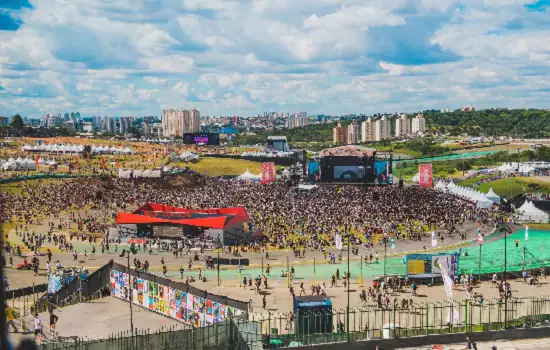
[(163, 221)]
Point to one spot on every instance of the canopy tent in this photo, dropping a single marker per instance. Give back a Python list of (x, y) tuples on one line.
[(247, 175), (451, 185), (285, 173), (187, 156), (416, 178), (440, 185), (493, 196), (528, 212)]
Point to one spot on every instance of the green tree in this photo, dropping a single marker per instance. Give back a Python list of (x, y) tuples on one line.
[(17, 122)]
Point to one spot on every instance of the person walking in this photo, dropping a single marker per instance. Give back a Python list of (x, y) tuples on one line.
[(182, 271), (10, 318), (37, 327), (53, 321)]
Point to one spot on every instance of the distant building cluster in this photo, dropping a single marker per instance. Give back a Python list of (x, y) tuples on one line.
[(467, 109), (176, 122), (378, 130)]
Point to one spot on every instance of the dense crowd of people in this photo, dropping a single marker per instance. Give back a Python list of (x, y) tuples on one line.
[(286, 217)]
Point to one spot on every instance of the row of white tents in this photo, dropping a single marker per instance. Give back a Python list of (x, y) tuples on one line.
[(528, 212), (483, 200), (133, 173), (76, 149), (24, 163), (513, 168)]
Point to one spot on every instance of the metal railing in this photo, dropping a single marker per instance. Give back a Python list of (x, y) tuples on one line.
[(396, 321), (230, 334), (370, 322)]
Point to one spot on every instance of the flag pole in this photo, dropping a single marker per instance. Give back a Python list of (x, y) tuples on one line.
[(480, 264)]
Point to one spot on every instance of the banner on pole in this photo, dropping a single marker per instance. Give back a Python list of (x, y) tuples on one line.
[(479, 238), (425, 171), (338, 241), (268, 172)]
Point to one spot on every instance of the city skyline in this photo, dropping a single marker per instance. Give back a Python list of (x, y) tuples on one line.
[(244, 57)]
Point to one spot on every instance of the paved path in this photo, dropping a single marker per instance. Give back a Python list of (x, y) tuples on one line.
[(99, 319)]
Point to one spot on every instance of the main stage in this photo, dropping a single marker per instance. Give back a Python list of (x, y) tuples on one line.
[(355, 165)]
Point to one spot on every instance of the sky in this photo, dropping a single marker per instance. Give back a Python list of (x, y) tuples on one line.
[(244, 57)]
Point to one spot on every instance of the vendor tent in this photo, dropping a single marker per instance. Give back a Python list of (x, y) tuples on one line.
[(247, 175), (440, 185), (493, 196), (528, 212)]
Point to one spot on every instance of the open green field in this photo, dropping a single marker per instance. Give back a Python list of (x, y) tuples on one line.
[(221, 166), (512, 187)]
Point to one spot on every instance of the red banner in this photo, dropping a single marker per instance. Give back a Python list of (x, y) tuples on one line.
[(102, 162), (36, 162), (425, 172), (268, 172)]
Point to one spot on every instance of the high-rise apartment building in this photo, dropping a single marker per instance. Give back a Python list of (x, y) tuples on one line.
[(177, 122), (402, 126), (367, 131), (418, 124), (296, 122), (354, 133), (125, 124), (382, 129), (339, 135)]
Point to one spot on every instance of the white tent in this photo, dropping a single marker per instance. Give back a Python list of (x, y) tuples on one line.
[(247, 175), (285, 173), (528, 212), (440, 185), (416, 178), (451, 185), (493, 196)]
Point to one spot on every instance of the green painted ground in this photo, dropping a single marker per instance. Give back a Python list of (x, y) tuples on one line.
[(490, 258)]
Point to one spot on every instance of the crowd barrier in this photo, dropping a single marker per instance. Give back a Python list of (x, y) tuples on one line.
[(41, 176), (26, 291), (98, 284)]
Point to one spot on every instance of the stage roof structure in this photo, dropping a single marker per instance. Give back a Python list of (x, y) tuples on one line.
[(216, 218)]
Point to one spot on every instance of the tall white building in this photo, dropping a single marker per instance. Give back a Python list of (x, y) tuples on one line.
[(418, 124), (296, 122), (402, 126), (367, 131), (354, 133), (382, 129), (176, 122)]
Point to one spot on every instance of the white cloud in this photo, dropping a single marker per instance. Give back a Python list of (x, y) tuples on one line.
[(171, 64), (136, 56), (181, 88), (155, 80)]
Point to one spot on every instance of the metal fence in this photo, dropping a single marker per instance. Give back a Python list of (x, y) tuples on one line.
[(273, 330), (395, 321), (230, 334)]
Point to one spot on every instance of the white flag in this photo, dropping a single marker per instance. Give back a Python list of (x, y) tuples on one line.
[(526, 232), (338, 242)]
